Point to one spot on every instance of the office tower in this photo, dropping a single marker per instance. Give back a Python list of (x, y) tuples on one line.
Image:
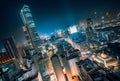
[(29, 28), (9, 67), (89, 30), (102, 20), (33, 39), (84, 72), (5, 58), (58, 68), (12, 52), (27, 36), (50, 70), (10, 47)]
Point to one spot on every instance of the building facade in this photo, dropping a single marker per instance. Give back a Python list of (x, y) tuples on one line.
[(10, 47), (29, 28)]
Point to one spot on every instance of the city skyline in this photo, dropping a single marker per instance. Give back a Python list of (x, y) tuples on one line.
[(60, 40), (50, 14)]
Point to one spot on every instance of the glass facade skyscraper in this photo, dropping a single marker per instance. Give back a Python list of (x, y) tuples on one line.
[(29, 28)]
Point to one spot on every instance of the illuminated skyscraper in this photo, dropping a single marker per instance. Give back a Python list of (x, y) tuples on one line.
[(11, 54), (27, 36), (31, 34), (58, 68)]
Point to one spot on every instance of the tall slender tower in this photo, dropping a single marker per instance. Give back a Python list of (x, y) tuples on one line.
[(33, 40), (31, 34)]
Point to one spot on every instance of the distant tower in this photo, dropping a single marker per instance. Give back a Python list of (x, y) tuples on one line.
[(31, 34), (95, 18), (89, 30), (102, 20), (89, 22)]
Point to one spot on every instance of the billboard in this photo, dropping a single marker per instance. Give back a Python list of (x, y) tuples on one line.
[(73, 29)]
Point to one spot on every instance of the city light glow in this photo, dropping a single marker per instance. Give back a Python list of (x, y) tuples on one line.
[(84, 44), (73, 29)]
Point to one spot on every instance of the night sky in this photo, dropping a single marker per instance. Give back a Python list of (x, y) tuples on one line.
[(49, 15)]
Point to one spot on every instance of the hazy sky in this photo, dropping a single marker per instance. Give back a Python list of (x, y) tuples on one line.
[(49, 14)]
